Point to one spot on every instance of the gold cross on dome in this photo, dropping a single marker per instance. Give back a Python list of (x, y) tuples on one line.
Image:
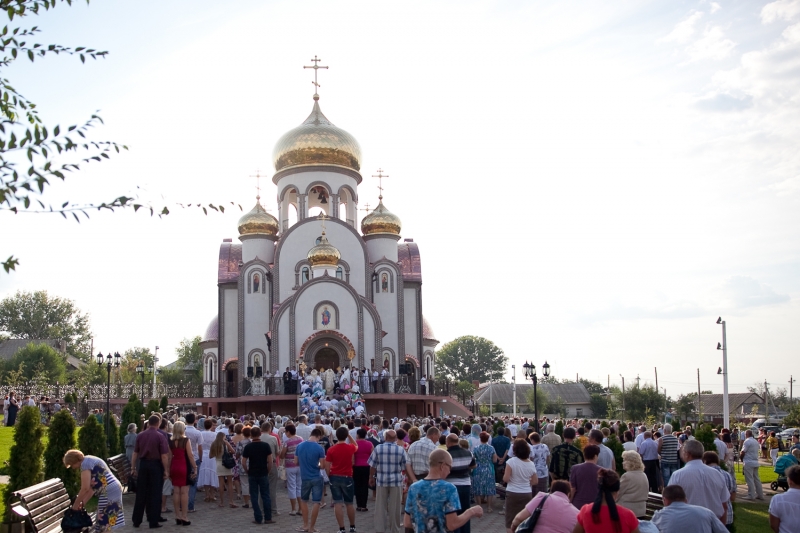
[(380, 175), (316, 67), (258, 184), (323, 217), (366, 207)]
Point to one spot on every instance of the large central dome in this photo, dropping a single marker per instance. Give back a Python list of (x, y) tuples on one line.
[(317, 142)]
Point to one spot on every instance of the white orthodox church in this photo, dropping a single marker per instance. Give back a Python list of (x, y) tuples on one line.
[(311, 291)]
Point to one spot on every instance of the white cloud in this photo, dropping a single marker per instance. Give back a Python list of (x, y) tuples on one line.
[(715, 7), (782, 9), (785, 187), (685, 29), (742, 292), (712, 45)]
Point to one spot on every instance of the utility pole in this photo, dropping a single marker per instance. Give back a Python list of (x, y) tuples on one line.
[(623, 395), (766, 402), (637, 380), (791, 400), (666, 408), (699, 400), (725, 405), (155, 369), (656, 377)]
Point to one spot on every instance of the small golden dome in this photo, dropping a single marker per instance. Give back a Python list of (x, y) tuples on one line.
[(324, 254), (381, 221), (258, 222), (317, 142)]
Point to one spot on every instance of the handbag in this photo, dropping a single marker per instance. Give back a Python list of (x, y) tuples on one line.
[(282, 473), (227, 459), (530, 523), (75, 521)]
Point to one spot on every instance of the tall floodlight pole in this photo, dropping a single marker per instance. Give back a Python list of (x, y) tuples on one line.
[(514, 388), (724, 348)]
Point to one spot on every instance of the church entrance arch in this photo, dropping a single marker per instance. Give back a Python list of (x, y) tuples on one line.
[(326, 358), (326, 353)]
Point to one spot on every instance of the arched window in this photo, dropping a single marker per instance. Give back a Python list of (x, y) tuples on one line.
[(339, 273), (210, 374), (305, 275)]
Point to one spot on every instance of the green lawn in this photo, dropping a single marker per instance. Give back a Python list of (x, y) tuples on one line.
[(766, 473), (751, 517)]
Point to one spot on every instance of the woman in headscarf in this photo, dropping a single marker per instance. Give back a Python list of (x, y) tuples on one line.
[(604, 514), (474, 437)]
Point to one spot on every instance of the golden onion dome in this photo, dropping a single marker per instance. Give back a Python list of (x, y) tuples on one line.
[(317, 142), (258, 222), (324, 254), (381, 220)]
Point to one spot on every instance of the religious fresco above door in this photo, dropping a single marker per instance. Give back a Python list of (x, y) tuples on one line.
[(326, 317)]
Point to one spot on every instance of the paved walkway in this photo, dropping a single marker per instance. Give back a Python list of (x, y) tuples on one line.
[(227, 520)]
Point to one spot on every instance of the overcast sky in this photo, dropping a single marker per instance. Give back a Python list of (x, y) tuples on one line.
[(590, 183)]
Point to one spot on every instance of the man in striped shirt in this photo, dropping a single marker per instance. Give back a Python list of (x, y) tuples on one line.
[(463, 463)]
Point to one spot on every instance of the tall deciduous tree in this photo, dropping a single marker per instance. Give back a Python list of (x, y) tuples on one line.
[(35, 362), (190, 358), (37, 315), (471, 358)]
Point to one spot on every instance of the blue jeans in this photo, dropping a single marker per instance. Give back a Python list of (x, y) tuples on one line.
[(342, 490), (259, 485), (667, 469), (312, 488)]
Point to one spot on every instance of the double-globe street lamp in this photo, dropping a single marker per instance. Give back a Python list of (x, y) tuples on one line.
[(141, 370), (110, 362), (530, 373)]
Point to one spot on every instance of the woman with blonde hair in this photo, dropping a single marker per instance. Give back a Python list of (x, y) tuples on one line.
[(218, 449), (97, 480), (633, 485), (181, 460)]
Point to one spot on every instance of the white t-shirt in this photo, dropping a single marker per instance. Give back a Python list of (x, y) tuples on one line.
[(787, 508), (521, 472)]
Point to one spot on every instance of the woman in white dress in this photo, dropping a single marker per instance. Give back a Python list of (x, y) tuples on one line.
[(344, 381), (329, 380), (364, 380), (207, 477)]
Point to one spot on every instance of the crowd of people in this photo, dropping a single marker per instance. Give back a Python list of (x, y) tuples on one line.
[(430, 474)]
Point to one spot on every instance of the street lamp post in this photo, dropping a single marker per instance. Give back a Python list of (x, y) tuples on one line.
[(530, 373), (141, 371), (110, 362), (724, 371)]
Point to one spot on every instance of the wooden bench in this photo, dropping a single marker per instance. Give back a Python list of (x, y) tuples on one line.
[(42, 506), (121, 468), (654, 503)]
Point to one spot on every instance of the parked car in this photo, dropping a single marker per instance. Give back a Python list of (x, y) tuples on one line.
[(787, 433)]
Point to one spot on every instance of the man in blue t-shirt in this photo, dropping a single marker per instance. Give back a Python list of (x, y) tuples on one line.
[(310, 457), (432, 503)]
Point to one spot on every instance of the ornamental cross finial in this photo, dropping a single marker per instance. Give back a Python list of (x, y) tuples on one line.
[(366, 207), (323, 217), (316, 67), (258, 184), (380, 175)]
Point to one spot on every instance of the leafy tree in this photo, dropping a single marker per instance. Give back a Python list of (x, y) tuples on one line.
[(685, 406), (92, 438), (51, 153), (25, 460), (641, 402), (61, 440), (793, 418), (705, 435), (173, 376), (190, 358), (556, 406), (592, 386), (130, 359), (542, 400), (471, 358), (599, 405), (560, 428), (37, 315), (36, 361), (163, 404), (613, 443), (464, 390)]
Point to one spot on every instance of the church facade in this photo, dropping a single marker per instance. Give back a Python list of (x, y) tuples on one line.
[(308, 290)]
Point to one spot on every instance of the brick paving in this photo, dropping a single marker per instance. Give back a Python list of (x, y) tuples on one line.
[(210, 517)]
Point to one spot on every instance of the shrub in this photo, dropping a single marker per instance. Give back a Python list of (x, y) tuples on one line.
[(560, 428), (164, 404), (25, 460), (61, 440), (615, 446), (92, 438), (706, 436), (153, 406), (113, 436), (131, 413)]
